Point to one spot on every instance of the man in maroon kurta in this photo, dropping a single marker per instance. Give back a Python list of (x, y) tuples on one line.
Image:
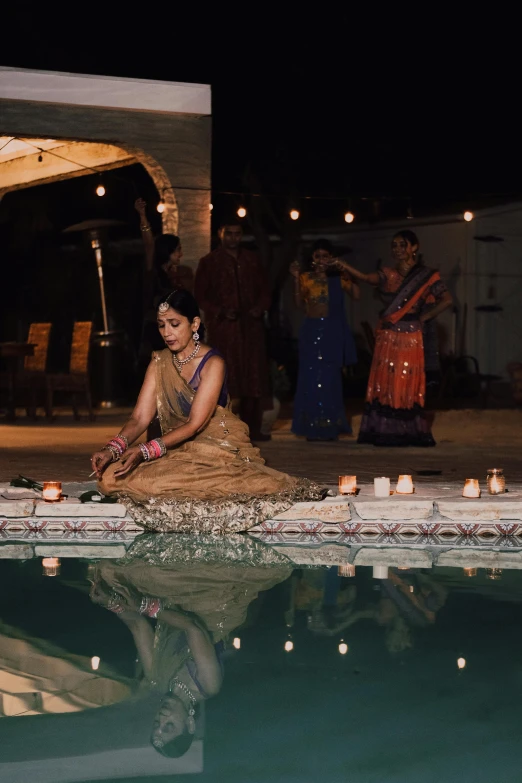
[(232, 289)]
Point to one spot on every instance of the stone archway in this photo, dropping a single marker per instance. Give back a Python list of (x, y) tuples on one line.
[(26, 161)]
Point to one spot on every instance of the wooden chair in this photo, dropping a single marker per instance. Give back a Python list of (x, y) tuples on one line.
[(76, 381), (32, 379)]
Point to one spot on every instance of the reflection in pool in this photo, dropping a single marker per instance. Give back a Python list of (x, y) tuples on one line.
[(284, 673)]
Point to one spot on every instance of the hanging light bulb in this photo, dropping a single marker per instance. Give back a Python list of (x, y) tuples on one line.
[(237, 643), (461, 663), (343, 648), (468, 216), (211, 207), (289, 645), (241, 212), (349, 217), (294, 214), (95, 663), (161, 206), (100, 190)]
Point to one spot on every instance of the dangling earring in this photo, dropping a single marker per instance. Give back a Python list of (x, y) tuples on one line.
[(195, 337)]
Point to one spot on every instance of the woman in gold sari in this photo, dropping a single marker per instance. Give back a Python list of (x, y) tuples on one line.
[(203, 474)]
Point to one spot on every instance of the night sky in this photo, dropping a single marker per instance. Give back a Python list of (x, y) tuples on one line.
[(412, 111)]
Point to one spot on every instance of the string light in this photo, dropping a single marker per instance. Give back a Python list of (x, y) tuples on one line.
[(289, 645), (349, 217), (100, 190), (461, 663), (241, 212), (95, 663), (237, 643), (211, 207), (161, 206), (343, 648), (468, 216), (294, 214)]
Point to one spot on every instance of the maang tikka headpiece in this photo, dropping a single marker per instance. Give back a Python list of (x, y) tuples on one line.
[(164, 306)]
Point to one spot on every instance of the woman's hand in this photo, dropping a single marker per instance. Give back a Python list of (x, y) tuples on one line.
[(140, 205), (295, 270), (100, 461), (130, 460)]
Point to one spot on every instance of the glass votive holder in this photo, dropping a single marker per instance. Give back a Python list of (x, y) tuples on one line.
[(51, 566), (52, 491), (471, 489), (404, 485), (347, 485), (496, 481), (381, 487)]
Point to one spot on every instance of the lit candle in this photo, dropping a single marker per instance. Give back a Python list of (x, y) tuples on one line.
[(471, 489), (347, 485), (381, 487), (51, 566), (404, 485), (380, 572), (470, 571), (496, 481), (52, 491), (346, 570)]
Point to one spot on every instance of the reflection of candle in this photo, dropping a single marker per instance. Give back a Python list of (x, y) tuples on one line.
[(95, 663), (346, 570), (380, 572), (237, 643), (51, 566), (494, 573), (470, 571), (343, 648), (461, 663), (381, 487), (347, 485), (52, 491), (404, 485), (289, 645), (471, 489)]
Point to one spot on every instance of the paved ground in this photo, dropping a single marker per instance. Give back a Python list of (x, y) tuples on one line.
[(469, 442)]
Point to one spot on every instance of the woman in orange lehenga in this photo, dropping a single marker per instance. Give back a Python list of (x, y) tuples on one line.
[(395, 397)]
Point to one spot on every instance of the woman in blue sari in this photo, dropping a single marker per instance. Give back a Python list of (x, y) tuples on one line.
[(326, 345)]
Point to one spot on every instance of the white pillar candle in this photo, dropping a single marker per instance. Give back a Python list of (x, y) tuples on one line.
[(347, 485), (404, 485), (471, 489), (380, 572), (381, 487)]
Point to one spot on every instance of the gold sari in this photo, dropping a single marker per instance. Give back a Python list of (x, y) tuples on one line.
[(217, 482)]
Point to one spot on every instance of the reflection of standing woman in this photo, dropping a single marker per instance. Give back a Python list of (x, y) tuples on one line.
[(325, 345), (396, 391)]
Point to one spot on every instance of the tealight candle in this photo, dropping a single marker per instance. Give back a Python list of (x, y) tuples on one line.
[(471, 489), (381, 487), (51, 566), (404, 485), (380, 572), (52, 491), (347, 485), (346, 570)]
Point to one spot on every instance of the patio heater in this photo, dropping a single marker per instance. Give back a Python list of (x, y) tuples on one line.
[(107, 365)]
